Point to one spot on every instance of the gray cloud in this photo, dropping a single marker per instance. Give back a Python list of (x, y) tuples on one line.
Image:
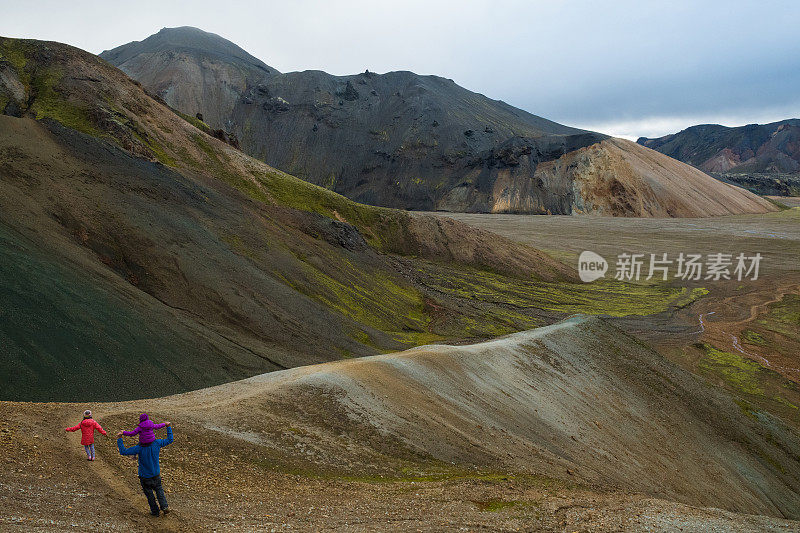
[(646, 65)]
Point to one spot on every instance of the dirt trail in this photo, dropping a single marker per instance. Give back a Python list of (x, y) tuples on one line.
[(724, 328), (757, 309)]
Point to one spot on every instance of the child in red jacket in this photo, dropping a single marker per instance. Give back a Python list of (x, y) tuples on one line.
[(87, 427)]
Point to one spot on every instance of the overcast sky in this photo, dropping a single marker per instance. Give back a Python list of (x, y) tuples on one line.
[(626, 68)]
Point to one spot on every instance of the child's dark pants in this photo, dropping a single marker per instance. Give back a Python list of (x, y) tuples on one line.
[(152, 489)]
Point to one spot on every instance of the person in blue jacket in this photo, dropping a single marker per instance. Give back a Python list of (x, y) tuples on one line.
[(150, 469)]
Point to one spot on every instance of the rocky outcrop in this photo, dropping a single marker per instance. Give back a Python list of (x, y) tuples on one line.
[(398, 139), (620, 178)]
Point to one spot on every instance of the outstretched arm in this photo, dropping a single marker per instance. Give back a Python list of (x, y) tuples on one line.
[(73, 428), (159, 426), (133, 450), (132, 432), (99, 428), (168, 440)]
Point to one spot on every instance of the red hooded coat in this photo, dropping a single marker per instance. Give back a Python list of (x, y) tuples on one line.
[(87, 427)]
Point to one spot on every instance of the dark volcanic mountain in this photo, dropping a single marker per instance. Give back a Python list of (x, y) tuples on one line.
[(765, 157), (414, 142), (400, 139)]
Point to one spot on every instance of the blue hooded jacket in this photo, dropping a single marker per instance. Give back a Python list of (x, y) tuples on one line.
[(148, 454)]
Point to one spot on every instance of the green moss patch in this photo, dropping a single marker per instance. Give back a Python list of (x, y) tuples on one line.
[(215, 164), (739, 373), (14, 51), (156, 147), (494, 322), (751, 337), (293, 192), (758, 388), (747, 408), (776, 203), (783, 317), (50, 103), (381, 301), (43, 82), (607, 297), (194, 121), (372, 298)]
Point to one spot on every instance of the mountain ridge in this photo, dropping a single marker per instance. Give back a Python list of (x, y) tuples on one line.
[(403, 140), (576, 402), (756, 148)]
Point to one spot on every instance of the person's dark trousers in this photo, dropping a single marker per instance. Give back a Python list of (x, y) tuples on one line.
[(152, 489)]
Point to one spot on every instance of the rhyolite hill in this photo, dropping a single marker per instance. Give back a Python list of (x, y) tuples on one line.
[(763, 157), (415, 142)]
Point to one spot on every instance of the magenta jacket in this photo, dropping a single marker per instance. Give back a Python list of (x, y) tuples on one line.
[(145, 429)]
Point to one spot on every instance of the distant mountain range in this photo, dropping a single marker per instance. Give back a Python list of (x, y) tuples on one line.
[(414, 142), (763, 157)]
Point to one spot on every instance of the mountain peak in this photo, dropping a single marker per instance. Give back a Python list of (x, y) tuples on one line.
[(178, 63), (191, 37), (184, 39)]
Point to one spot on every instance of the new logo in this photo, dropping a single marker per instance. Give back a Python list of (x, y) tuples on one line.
[(591, 266)]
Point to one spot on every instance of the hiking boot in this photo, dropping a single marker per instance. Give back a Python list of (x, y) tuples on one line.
[(166, 511)]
